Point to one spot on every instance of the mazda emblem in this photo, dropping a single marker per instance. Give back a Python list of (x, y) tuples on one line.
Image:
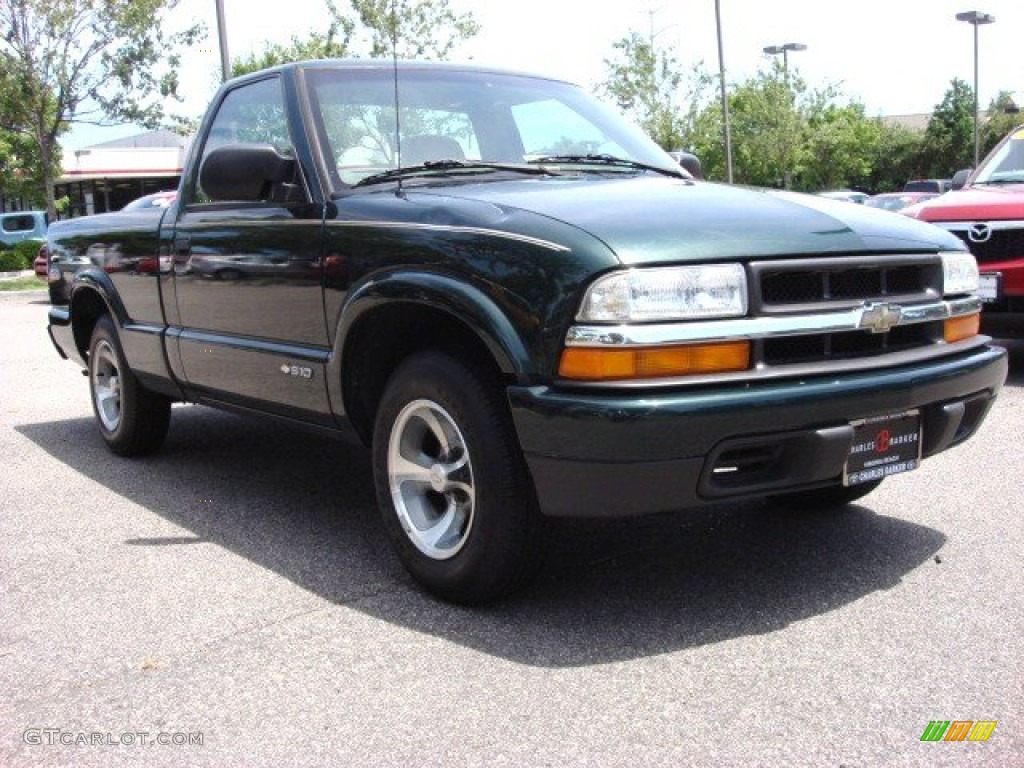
[(979, 233)]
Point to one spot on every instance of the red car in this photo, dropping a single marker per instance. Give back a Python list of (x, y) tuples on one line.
[(42, 262), (986, 211)]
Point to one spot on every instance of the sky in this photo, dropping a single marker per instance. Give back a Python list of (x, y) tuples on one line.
[(895, 56)]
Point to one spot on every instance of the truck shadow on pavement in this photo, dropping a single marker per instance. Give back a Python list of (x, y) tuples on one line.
[(302, 506), (1015, 350)]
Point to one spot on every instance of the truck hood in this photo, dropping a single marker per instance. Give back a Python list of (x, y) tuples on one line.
[(658, 219), (975, 203)]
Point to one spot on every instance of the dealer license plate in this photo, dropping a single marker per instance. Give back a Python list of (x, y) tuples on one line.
[(988, 287), (883, 446)]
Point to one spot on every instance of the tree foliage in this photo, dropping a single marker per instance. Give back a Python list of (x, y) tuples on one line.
[(426, 29), (894, 158), (1001, 118), (86, 61), (422, 29), (20, 170), (949, 138), (646, 84)]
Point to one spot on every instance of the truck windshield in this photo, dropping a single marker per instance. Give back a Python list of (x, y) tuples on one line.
[(466, 115), (1006, 166)]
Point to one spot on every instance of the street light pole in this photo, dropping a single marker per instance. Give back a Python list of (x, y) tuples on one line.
[(974, 18), (222, 35), (725, 100), (775, 50)]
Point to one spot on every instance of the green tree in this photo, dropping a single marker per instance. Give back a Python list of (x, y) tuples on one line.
[(894, 158), (646, 84), (426, 29), (840, 141), (1000, 120), (87, 61), (20, 171), (768, 130), (334, 44), (949, 138)]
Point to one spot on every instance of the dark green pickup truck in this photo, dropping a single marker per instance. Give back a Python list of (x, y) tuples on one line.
[(524, 308)]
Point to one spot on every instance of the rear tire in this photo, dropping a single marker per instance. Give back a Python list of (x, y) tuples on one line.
[(132, 420), (825, 498), (453, 488)]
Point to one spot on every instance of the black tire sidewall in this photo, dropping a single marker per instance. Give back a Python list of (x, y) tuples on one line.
[(144, 415), (504, 530)]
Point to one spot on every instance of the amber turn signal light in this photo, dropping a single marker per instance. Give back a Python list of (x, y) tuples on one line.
[(599, 364), (960, 328)]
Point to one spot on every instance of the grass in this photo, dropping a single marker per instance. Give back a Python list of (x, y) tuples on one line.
[(28, 283)]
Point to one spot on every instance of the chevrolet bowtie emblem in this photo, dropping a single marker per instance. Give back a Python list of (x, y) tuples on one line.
[(879, 318)]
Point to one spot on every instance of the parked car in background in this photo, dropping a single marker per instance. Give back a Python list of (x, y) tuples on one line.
[(41, 263), (849, 195), (986, 211), (896, 201), (938, 186), (22, 225)]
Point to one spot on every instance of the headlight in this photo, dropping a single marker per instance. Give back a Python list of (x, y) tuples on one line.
[(959, 273), (667, 293)]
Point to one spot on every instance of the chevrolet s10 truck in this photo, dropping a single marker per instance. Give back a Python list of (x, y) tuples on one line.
[(525, 309), (986, 211)]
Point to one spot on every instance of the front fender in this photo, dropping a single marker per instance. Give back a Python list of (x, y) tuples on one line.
[(481, 311), (476, 308)]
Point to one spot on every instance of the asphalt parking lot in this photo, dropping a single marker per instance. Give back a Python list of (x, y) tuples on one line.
[(233, 602)]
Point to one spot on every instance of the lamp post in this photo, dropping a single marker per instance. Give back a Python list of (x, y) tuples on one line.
[(784, 49), (222, 36), (775, 50), (974, 18), (725, 99)]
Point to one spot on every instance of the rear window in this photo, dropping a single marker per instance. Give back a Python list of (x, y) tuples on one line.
[(18, 224), (927, 185)]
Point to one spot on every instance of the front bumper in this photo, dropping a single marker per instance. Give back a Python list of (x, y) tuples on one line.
[(599, 454)]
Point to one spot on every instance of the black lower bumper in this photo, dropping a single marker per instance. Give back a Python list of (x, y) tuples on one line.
[(610, 455)]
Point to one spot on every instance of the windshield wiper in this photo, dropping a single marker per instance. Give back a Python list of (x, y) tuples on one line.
[(447, 167), (604, 160)]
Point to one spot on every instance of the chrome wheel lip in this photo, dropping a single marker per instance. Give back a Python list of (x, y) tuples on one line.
[(106, 385), (431, 480)]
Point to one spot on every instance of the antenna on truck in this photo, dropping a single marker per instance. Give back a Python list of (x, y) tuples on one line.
[(394, 64)]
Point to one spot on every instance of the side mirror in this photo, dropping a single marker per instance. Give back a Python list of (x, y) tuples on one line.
[(244, 172), (960, 178), (690, 163)]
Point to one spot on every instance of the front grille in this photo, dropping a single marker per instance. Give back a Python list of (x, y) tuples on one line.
[(798, 284), (823, 347), (822, 285), (1003, 245)]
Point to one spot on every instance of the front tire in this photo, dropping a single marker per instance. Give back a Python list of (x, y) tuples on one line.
[(456, 496), (132, 420)]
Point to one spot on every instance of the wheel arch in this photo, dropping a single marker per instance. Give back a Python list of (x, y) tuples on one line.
[(92, 296), (388, 320)]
